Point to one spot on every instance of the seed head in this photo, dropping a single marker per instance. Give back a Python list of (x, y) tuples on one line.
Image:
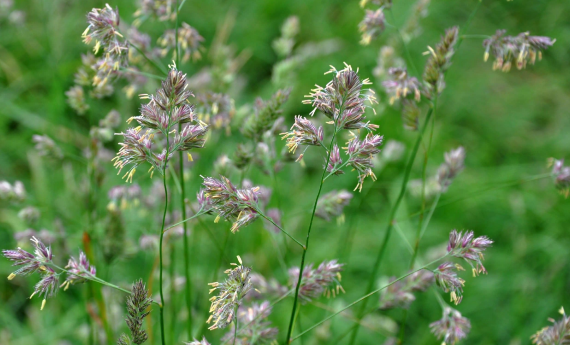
[(29, 214), (189, 41), (438, 62), (46, 146), (465, 246), (137, 309), (453, 165), (78, 271), (335, 161), (236, 205), (400, 85), (76, 99), (446, 278), (372, 25), (452, 327), (230, 295), (558, 333), (361, 153), (332, 204), (343, 99), (254, 328), (265, 115), (303, 132), (518, 50), (315, 282), (400, 294)]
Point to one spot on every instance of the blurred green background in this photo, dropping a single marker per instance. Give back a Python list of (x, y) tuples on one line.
[(509, 124)]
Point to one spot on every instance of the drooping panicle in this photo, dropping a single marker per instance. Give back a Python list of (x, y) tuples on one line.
[(343, 99), (332, 204), (453, 165), (231, 203), (452, 327), (372, 25), (558, 333), (230, 295), (400, 294), (515, 50), (464, 245), (438, 62), (254, 326), (446, 278), (360, 153), (315, 282), (78, 271), (138, 304)]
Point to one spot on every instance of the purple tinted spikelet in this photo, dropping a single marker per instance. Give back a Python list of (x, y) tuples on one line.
[(335, 162), (254, 326), (465, 246), (558, 333), (332, 204), (315, 282), (372, 25), (343, 99), (37, 262), (453, 165), (400, 294), (515, 50), (230, 295), (452, 327), (401, 86), (446, 278), (231, 203), (166, 110), (561, 176), (103, 24), (303, 132), (78, 271), (360, 153), (438, 62)]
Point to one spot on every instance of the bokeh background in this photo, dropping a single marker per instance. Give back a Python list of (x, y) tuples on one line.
[(509, 124)]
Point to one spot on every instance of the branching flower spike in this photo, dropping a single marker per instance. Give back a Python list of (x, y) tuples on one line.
[(230, 295)]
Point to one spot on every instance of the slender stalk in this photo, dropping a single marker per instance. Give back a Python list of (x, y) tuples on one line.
[(390, 224), (162, 335), (152, 62), (363, 298), (236, 325), (280, 228), (306, 246)]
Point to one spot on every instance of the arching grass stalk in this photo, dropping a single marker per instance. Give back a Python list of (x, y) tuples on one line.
[(306, 246), (389, 226), (365, 297)]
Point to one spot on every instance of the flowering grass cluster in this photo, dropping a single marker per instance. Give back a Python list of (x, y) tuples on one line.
[(230, 295), (168, 127)]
